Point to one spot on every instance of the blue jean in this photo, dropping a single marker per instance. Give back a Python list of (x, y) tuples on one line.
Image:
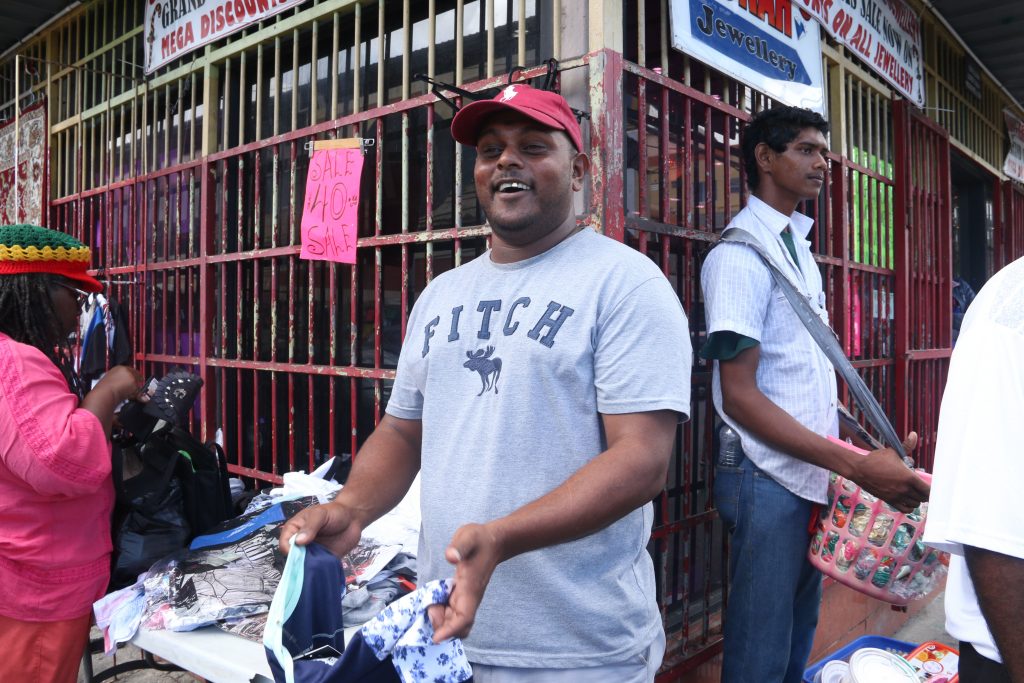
[(774, 592)]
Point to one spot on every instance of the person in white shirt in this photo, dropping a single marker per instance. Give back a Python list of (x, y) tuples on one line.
[(974, 511), (773, 386)]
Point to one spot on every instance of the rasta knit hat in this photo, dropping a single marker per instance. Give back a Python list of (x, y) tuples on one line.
[(32, 249)]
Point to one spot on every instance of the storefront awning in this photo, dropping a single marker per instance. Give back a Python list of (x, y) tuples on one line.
[(992, 30), (20, 18)]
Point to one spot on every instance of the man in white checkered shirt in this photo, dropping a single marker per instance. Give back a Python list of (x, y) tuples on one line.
[(774, 387)]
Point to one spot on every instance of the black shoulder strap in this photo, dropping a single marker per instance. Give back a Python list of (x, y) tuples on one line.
[(117, 470), (826, 338), (170, 466)]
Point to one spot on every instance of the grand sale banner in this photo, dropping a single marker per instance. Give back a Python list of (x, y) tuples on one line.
[(885, 34), (762, 43), (176, 27)]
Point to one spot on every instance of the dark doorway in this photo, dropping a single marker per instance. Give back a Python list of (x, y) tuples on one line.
[(972, 221)]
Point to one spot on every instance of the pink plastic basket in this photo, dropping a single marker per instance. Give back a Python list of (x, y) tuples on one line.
[(868, 545)]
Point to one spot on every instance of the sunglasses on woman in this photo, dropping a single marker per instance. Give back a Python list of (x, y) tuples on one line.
[(81, 297)]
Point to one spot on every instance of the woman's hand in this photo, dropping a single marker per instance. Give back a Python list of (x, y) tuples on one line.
[(119, 384), (123, 381)]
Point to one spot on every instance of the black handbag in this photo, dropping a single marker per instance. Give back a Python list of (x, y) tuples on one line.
[(169, 486)]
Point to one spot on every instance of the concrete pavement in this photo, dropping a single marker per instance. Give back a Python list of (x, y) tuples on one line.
[(928, 624)]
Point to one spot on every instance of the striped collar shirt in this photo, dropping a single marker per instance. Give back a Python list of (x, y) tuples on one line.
[(740, 296)]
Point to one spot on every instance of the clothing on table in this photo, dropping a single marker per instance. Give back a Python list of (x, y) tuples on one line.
[(228, 573), (56, 494), (510, 366), (978, 464), (740, 296), (119, 614), (771, 580), (305, 616), (304, 632), (365, 602)]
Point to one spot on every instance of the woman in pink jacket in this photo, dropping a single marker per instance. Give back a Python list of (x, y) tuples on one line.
[(55, 488)]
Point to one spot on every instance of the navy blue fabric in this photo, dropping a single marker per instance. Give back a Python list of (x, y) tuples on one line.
[(358, 664), (316, 619)]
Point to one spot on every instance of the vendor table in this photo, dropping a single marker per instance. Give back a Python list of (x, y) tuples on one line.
[(209, 653)]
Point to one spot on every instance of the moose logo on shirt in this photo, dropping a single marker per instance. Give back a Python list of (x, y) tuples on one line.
[(495, 318), (489, 369)]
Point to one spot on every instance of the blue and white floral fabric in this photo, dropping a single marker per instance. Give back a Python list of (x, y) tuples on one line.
[(403, 631)]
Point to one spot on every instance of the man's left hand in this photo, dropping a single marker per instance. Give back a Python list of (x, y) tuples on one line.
[(475, 552)]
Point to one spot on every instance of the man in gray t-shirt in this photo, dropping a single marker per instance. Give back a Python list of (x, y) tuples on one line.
[(538, 390)]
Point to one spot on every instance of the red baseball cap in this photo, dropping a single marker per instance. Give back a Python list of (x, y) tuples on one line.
[(543, 106)]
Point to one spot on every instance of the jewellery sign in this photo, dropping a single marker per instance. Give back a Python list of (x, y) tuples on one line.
[(760, 42), (176, 27), (884, 34), (1014, 164)]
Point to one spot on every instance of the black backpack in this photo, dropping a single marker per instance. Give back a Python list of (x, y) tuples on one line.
[(169, 486)]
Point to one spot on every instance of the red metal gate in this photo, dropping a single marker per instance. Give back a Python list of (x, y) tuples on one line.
[(667, 176), (923, 248), (1009, 229)]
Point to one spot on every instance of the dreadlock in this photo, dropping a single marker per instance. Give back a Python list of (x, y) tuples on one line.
[(27, 316)]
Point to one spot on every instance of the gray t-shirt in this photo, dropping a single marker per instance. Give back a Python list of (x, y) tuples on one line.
[(509, 366)]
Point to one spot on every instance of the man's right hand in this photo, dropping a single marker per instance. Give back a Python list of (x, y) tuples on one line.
[(332, 525), (882, 473)]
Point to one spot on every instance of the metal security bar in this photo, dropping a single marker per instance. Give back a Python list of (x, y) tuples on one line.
[(1009, 233), (682, 181), (861, 225), (189, 187), (924, 284), (22, 78), (974, 123)]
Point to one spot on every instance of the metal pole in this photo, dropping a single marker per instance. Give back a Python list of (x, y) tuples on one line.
[(17, 133)]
